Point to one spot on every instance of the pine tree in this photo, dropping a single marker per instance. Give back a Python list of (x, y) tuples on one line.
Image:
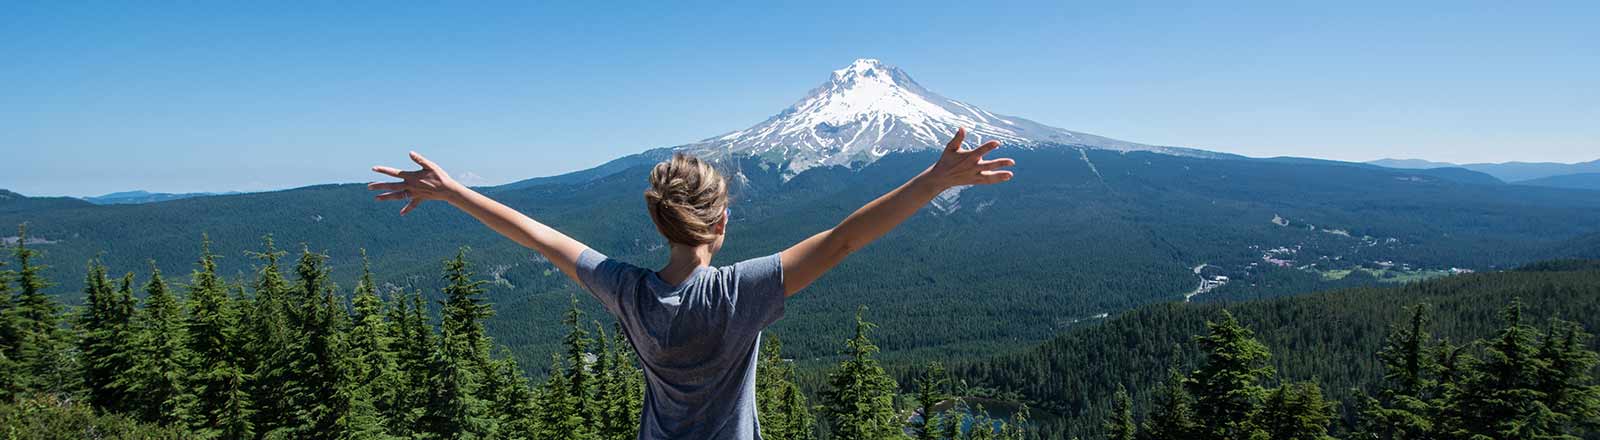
[(626, 392), (950, 421), (1404, 406), (324, 356), (577, 344), (156, 380), (1119, 425), (1296, 412), (612, 412), (42, 344), (557, 408), (1172, 414), (464, 310), (369, 380), (103, 327), (1568, 383), (780, 405), (415, 345), (1018, 428), (356, 416), (859, 401), (454, 409), (1227, 388), (982, 424), (1456, 367), (512, 404), (221, 406), (266, 339), (451, 410), (1503, 400), (930, 391), (10, 371), (124, 346)]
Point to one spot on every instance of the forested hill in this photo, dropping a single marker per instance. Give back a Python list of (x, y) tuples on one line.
[(11, 202), (1331, 338), (1077, 234)]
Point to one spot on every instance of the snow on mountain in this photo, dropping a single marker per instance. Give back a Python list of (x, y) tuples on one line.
[(869, 109)]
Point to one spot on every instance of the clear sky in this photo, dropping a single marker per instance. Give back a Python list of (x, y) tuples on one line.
[(218, 96)]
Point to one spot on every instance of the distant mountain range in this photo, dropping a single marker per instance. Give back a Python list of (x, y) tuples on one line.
[(1514, 172), (137, 197), (1578, 181)]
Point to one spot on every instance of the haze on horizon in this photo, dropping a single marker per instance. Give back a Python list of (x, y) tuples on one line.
[(100, 98)]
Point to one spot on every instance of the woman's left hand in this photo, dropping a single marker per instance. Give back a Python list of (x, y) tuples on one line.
[(428, 183)]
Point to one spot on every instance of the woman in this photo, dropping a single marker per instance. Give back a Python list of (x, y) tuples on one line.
[(696, 328)]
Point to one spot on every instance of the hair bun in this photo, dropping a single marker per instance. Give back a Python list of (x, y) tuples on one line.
[(687, 198)]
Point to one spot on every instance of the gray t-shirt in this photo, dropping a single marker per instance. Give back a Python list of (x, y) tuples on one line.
[(698, 341)]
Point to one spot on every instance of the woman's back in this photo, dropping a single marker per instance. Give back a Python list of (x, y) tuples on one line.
[(697, 341)]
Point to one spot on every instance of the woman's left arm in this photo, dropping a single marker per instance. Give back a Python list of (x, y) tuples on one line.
[(433, 183)]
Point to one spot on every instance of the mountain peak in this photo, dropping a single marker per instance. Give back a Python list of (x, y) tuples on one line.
[(868, 109), (869, 69)]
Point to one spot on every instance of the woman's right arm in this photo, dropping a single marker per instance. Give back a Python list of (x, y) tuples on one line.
[(433, 183), (806, 261)]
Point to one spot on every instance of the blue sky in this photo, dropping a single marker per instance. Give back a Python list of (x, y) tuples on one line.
[(218, 96)]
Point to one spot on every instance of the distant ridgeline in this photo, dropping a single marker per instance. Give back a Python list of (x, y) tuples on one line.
[(1516, 338)]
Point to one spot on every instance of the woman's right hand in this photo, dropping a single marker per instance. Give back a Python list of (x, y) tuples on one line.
[(957, 167), (428, 183)]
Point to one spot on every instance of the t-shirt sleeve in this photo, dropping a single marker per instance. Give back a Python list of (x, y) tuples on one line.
[(759, 297), (602, 277)]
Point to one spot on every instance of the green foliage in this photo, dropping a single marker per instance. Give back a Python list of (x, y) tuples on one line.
[(1120, 426), (219, 406), (42, 346), (1297, 412), (156, 382), (464, 310), (580, 386), (859, 403), (780, 406), (368, 382), (1227, 387), (11, 373), (557, 408), (931, 391), (1172, 411), (619, 396), (293, 360), (1330, 336), (49, 418)]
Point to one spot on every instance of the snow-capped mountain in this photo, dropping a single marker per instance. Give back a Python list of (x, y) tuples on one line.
[(869, 109)]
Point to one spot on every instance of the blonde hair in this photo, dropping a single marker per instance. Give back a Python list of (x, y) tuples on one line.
[(687, 198)]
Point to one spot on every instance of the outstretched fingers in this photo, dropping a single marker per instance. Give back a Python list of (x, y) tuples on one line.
[(410, 206), (994, 164), (986, 148), (426, 164), (992, 177), (386, 186), (390, 171), (955, 142), (395, 195)]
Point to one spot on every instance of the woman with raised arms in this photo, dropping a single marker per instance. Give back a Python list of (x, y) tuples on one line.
[(697, 328)]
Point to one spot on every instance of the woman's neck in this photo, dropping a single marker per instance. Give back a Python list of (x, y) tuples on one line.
[(684, 261)]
